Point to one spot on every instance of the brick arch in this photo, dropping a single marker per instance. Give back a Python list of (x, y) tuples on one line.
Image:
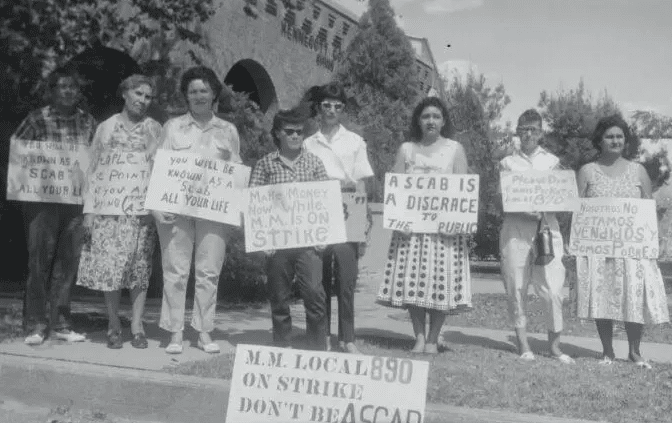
[(250, 76)]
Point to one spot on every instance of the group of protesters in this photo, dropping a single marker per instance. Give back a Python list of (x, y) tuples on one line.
[(426, 273)]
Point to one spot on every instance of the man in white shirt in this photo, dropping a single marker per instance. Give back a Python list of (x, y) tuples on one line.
[(516, 243), (345, 158)]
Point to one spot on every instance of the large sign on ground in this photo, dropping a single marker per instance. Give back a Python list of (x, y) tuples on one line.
[(290, 385)]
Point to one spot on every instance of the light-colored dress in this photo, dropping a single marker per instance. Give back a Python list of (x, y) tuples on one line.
[(119, 253), (427, 270), (623, 289)]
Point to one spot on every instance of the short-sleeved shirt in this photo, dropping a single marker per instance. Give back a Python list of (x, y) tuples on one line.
[(272, 169), (540, 159), (46, 124), (217, 138), (344, 157)]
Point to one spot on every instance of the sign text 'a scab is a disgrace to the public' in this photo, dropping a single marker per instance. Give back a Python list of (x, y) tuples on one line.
[(615, 227), (193, 185), (290, 385), (294, 215), (436, 203)]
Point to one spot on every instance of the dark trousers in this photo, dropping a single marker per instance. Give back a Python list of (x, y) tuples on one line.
[(340, 268), (306, 265), (54, 238)]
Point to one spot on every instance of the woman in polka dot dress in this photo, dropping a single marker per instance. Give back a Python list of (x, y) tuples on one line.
[(428, 273)]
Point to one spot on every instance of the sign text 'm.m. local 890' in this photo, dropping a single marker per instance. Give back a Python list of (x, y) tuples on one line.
[(290, 385), (193, 185), (119, 183), (293, 215), (539, 191), (431, 203), (46, 171), (615, 227)]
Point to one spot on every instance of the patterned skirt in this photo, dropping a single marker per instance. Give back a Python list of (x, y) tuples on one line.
[(118, 254), (429, 271), (623, 289)]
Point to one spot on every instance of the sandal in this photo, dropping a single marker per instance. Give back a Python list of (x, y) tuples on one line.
[(174, 348), (606, 361), (564, 359), (640, 362), (527, 356), (114, 340)]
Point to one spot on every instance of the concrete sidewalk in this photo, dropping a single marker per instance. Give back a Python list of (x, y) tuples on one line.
[(55, 370)]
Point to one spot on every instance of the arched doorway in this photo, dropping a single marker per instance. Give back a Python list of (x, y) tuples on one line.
[(250, 77)]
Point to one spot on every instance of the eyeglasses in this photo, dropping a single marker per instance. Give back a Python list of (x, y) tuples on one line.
[(290, 131), (329, 105), (523, 129)]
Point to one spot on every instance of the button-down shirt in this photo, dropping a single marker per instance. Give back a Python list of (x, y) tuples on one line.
[(540, 159), (46, 124), (344, 157), (272, 169), (217, 138)]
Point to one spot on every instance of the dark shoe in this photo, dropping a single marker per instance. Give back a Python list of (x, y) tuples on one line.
[(139, 340), (114, 340)]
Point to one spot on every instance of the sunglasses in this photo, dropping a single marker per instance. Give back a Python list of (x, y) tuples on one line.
[(329, 105), (290, 131)]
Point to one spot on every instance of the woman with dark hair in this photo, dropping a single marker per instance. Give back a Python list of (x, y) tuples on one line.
[(428, 273), (292, 163), (627, 289), (198, 131), (118, 254)]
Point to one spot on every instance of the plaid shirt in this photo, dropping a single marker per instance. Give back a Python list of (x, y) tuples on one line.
[(46, 124), (271, 169)]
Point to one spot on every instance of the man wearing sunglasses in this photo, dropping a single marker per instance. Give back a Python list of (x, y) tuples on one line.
[(516, 244), (345, 158), (291, 163)]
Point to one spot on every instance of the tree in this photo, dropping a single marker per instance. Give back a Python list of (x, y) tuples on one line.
[(379, 74), (475, 109), (571, 117), (650, 124)]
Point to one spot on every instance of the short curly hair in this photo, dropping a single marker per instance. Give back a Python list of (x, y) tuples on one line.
[(631, 147), (286, 117), (415, 132), (134, 81), (203, 73)]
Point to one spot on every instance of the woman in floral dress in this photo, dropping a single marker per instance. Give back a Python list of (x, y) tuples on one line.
[(624, 289), (428, 273), (119, 252)]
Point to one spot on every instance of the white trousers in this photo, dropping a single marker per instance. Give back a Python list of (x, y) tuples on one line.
[(177, 246), (516, 245)]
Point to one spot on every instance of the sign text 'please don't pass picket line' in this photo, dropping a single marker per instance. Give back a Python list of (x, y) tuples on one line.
[(119, 184), (539, 191), (193, 185), (294, 215), (46, 171), (291, 385), (615, 227), (431, 203)]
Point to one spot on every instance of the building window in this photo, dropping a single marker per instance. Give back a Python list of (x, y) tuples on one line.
[(322, 36), (346, 28), (332, 20), (290, 17), (316, 12), (337, 43), (307, 26), (271, 7)]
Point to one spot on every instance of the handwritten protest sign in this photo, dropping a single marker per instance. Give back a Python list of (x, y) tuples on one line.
[(290, 385), (119, 184), (539, 191), (193, 185), (294, 215), (46, 171), (354, 211), (615, 227), (444, 203)]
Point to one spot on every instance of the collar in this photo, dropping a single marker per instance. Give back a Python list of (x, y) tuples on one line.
[(214, 122), (276, 155), (322, 138), (537, 151), (51, 112)]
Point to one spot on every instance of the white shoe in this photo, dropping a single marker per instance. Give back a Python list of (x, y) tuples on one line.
[(68, 335), (36, 338)]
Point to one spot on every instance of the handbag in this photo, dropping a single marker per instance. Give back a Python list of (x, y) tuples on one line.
[(543, 243)]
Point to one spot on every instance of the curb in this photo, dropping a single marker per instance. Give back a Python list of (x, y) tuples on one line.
[(163, 397)]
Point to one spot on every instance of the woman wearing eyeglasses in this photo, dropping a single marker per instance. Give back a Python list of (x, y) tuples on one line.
[(345, 158), (291, 163)]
